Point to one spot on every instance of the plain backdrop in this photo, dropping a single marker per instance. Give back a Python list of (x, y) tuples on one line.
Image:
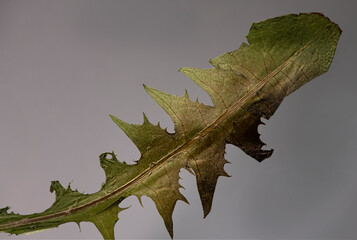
[(66, 65)]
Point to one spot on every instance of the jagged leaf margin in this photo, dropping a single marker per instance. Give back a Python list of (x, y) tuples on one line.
[(283, 54)]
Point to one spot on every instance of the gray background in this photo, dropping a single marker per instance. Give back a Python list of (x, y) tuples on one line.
[(66, 65)]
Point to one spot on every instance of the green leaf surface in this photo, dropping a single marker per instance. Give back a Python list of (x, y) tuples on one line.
[(245, 85)]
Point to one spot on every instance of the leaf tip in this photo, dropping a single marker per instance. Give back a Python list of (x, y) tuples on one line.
[(120, 123), (139, 199), (186, 94), (147, 88), (114, 118), (79, 226), (57, 187), (169, 227), (153, 93), (4, 210), (206, 210), (185, 70), (146, 120)]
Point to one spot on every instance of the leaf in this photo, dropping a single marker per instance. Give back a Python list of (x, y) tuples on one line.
[(282, 54)]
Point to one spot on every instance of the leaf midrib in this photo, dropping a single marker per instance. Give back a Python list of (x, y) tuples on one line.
[(116, 193)]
